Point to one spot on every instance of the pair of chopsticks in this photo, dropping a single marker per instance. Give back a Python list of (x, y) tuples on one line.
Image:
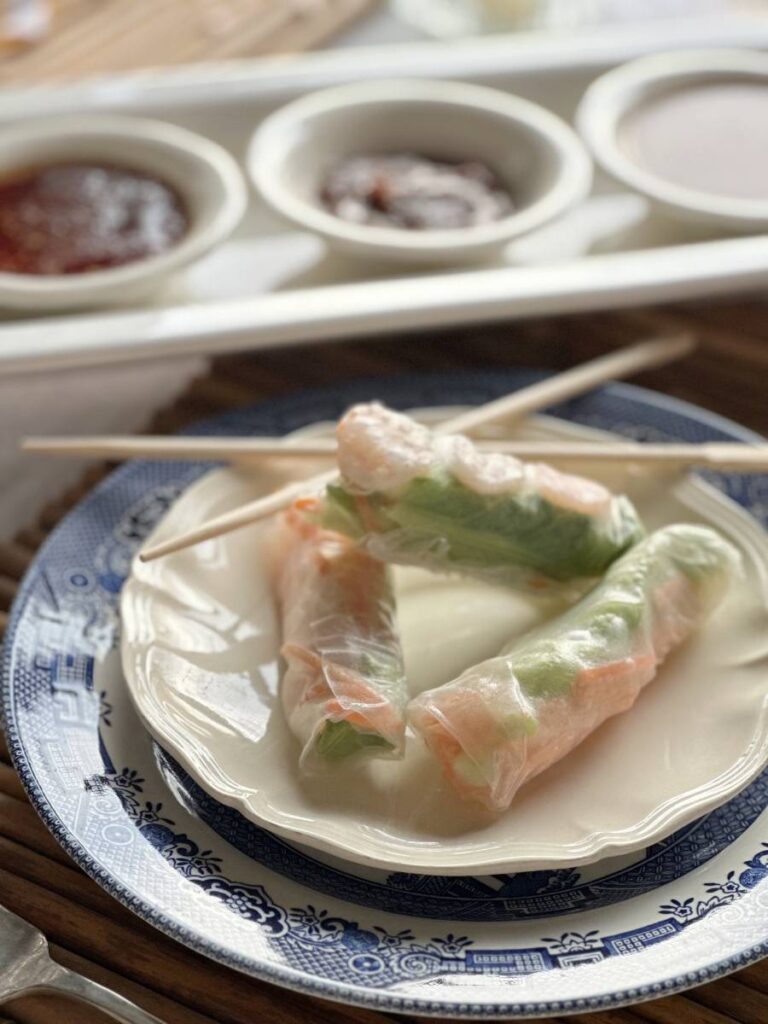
[(566, 385)]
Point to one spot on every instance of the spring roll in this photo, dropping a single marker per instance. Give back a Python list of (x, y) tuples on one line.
[(507, 719), (410, 497), (344, 690)]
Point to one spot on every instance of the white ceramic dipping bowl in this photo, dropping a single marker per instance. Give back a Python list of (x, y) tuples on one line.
[(534, 154), (608, 103), (204, 175)]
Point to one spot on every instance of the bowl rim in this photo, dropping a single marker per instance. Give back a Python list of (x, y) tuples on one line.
[(266, 153), (619, 92), (181, 145)]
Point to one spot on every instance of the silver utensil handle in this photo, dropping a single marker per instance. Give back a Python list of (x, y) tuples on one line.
[(114, 1005)]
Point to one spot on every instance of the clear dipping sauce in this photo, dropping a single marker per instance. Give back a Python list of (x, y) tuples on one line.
[(70, 218), (415, 192), (711, 138)]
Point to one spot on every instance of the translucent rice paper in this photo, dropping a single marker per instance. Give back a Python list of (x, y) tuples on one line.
[(507, 719), (409, 496), (343, 691)]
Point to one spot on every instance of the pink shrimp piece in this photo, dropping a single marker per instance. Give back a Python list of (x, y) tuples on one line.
[(575, 493), (382, 450), (343, 657), (459, 729), (491, 735)]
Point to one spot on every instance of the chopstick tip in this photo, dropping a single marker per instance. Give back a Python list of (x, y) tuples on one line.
[(682, 343), (49, 445), (150, 554), (688, 341)]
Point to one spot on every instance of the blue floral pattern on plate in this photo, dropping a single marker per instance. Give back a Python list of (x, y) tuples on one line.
[(393, 956), (506, 897)]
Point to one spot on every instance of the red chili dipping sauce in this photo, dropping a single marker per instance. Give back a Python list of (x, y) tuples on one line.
[(415, 192), (70, 218)]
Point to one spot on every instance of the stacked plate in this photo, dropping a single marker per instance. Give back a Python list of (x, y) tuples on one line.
[(635, 867)]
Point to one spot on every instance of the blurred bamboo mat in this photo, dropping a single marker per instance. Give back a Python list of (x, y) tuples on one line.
[(92, 37), (95, 935)]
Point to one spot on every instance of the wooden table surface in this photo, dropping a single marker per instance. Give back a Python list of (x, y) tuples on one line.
[(95, 37), (91, 932)]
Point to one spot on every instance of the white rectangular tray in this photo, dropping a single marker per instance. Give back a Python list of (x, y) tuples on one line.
[(272, 285)]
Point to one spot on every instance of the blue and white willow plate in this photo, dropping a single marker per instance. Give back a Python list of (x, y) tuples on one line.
[(683, 911)]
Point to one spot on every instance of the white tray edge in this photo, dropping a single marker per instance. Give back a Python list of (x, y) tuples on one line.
[(609, 281)]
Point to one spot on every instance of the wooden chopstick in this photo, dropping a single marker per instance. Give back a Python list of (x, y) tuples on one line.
[(246, 450), (554, 389), (622, 363), (520, 403), (720, 455), (220, 449)]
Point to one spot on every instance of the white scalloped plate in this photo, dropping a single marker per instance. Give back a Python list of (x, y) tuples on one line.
[(200, 654)]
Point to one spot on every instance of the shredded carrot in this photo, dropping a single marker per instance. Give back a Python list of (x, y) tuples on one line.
[(621, 673), (306, 504)]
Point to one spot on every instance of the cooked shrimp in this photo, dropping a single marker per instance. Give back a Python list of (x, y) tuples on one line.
[(341, 648), (504, 721), (414, 497)]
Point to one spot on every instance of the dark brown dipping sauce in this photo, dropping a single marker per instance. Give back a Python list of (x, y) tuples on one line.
[(70, 218), (415, 192)]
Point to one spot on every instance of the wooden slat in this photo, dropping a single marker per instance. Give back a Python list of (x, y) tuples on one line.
[(156, 962), (92, 37), (14, 560), (10, 783), (755, 976), (620, 1016), (55, 1010), (8, 588), (30, 538), (679, 1010), (64, 879), (20, 823), (734, 999)]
